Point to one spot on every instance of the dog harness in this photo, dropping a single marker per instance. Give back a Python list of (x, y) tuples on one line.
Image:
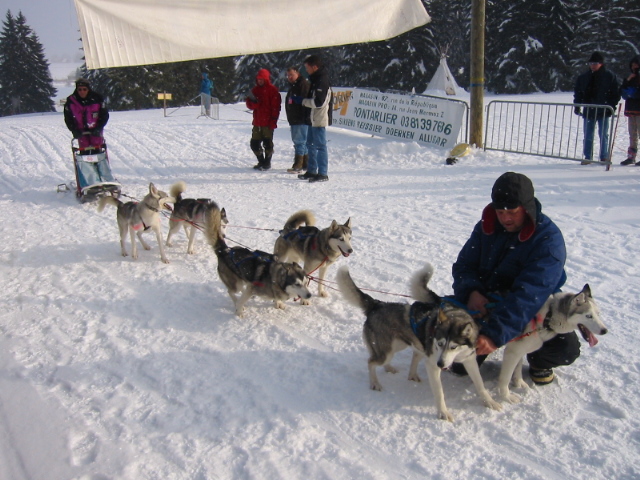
[(304, 233)]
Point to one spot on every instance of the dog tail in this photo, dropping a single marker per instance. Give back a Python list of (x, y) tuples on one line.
[(213, 228), (419, 285), (352, 294), (108, 200), (177, 189), (298, 218)]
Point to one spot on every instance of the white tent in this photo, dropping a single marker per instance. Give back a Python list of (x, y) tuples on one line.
[(442, 80), (118, 33)]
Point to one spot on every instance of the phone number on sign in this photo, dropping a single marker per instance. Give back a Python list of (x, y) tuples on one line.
[(426, 124)]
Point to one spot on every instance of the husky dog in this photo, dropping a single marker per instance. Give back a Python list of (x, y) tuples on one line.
[(139, 217), (562, 313), (189, 213), (252, 272), (436, 331), (316, 248)]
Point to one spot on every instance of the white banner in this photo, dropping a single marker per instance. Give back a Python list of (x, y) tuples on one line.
[(117, 33), (426, 120)]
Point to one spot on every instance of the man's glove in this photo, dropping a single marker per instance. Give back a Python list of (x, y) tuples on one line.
[(76, 133), (577, 111), (296, 99)]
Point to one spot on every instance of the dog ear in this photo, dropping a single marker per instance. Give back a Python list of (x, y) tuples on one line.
[(152, 189), (333, 225), (348, 223), (586, 290)]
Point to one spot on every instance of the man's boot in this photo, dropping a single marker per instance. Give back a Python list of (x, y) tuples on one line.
[(260, 158), (297, 165), (305, 161)]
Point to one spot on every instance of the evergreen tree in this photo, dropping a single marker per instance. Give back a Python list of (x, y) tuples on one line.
[(26, 85)]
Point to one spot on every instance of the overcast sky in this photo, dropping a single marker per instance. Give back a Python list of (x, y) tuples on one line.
[(54, 22)]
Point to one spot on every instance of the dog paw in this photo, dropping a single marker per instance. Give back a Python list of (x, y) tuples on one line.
[(323, 294), (492, 404), (305, 302), (169, 244), (390, 369), (520, 383), (165, 260), (191, 252), (376, 386), (445, 415), (415, 378), (507, 396), (147, 247), (280, 305)]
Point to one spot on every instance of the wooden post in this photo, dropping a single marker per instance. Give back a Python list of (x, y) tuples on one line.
[(476, 86), (164, 96)]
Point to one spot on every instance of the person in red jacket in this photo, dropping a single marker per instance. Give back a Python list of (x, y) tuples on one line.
[(264, 99)]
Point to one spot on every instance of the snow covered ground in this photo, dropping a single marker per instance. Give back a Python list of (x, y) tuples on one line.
[(118, 369)]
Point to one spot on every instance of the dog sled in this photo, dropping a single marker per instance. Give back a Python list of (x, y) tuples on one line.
[(93, 172)]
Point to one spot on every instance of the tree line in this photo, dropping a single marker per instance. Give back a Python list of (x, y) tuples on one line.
[(529, 47)]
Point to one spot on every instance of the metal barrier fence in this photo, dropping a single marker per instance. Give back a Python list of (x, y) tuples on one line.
[(548, 129), (209, 106)]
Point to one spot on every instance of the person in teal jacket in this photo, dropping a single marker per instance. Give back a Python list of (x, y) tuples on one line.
[(507, 269)]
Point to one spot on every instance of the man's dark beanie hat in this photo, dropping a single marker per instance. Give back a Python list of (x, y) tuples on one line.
[(596, 57), (512, 190)]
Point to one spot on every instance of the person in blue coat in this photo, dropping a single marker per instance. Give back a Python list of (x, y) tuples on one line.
[(206, 86), (507, 269)]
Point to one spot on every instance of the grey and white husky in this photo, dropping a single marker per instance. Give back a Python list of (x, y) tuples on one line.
[(563, 312), (137, 218), (316, 249), (189, 213), (436, 331), (252, 272)]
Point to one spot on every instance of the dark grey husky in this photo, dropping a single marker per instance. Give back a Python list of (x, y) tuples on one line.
[(436, 331), (252, 272), (189, 213), (316, 249)]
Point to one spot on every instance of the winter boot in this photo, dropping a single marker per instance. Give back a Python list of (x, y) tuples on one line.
[(541, 376), (260, 158), (631, 157), (297, 165), (305, 161), (266, 165), (307, 175)]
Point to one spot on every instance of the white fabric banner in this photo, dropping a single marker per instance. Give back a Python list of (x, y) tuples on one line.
[(117, 33), (428, 121)]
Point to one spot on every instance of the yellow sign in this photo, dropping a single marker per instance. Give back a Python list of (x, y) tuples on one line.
[(164, 96)]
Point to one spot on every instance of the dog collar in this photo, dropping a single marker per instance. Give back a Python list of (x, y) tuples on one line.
[(150, 207)]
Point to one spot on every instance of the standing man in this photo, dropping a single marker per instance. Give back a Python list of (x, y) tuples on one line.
[(206, 86), (264, 99), (298, 118), (598, 86), (85, 115), (519, 253), (631, 93), (320, 102)]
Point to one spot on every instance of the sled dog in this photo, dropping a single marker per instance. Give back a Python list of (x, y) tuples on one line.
[(316, 249), (436, 331), (137, 218), (189, 213), (562, 313), (252, 272)]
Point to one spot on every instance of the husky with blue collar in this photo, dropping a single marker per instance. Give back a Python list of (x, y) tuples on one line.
[(439, 332)]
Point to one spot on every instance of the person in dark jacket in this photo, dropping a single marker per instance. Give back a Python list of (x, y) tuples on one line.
[(630, 90), (299, 119), (265, 102), (86, 115), (507, 269), (597, 86), (319, 101)]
